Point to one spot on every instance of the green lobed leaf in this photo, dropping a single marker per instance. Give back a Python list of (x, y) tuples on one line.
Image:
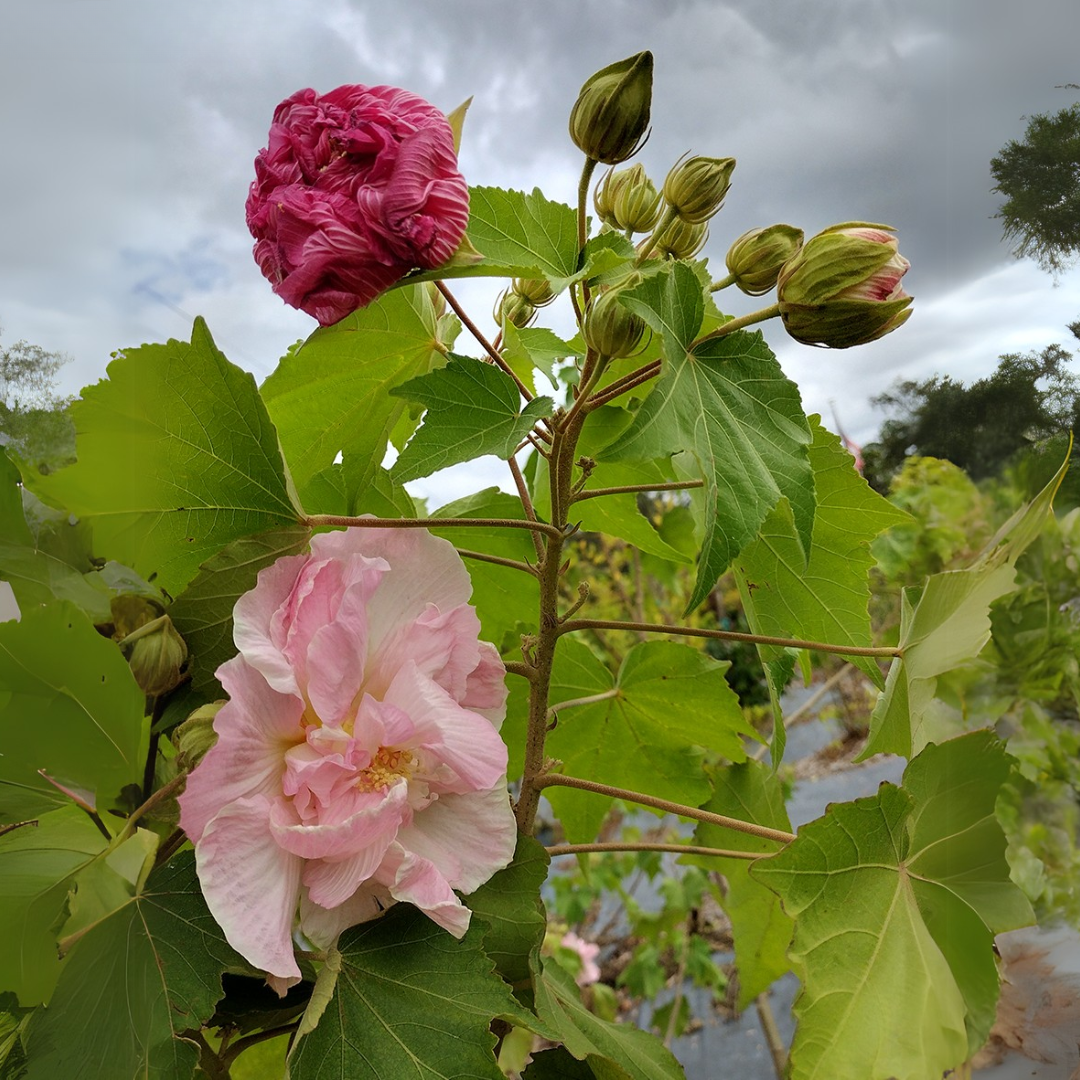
[(668, 705), (410, 1001), (728, 403), (37, 865), (503, 597), (637, 1054), (509, 902), (672, 303), (896, 899), (534, 347), (748, 791), (177, 457), (133, 984), (947, 625), (202, 613), (68, 705), (331, 395), (473, 408), (523, 235), (827, 599)]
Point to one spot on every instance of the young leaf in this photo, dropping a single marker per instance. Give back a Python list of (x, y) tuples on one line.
[(668, 705), (37, 864), (729, 404), (134, 984), (202, 613), (948, 625), (827, 600), (473, 408), (534, 347), (510, 904), (332, 394), (749, 791), (896, 899), (523, 235), (177, 457), (633, 1052), (69, 706), (410, 1000)]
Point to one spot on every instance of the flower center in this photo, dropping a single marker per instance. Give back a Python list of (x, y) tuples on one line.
[(386, 766)]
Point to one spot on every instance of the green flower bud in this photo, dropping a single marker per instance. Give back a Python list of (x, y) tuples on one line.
[(695, 187), (636, 203), (680, 240), (156, 654), (513, 307), (604, 197), (756, 258), (843, 287), (611, 115), (537, 291), (196, 735), (611, 329)]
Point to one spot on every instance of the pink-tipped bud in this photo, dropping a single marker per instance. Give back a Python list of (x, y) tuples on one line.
[(843, 287)]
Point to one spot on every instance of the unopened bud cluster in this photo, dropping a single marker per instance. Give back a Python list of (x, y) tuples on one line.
[(518, 304)]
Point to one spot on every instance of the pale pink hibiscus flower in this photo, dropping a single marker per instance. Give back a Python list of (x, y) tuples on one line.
[(358, 759)]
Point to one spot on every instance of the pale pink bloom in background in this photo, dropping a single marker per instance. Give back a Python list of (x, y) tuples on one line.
[(358, 759), (588, 951), (354, 189)]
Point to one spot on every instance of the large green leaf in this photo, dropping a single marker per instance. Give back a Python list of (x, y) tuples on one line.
[(534, 347), (728, 403), (947, 625), (510, 904), (896, 899), (473, 408), (637, 1054), (37, 864), (132, 986), (331, 395), (177, 457), (649, 732), (503, 597), (523, 235), (68, 705), (410, 1001), (202, 613), (749, 791)]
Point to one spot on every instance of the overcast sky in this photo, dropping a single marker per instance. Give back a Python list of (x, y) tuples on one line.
[(128, 130)]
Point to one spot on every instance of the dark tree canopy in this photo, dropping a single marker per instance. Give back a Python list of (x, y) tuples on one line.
[(980, 427), (1040, 179)]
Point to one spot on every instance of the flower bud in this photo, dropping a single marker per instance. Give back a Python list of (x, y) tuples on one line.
[(756, 258), (156, 654), (843, 287), (609, 328), (513, 307), (611, 115), (695, 187), (636, 203), (679, 240), (194, 737), (604, 196), (537, 291)]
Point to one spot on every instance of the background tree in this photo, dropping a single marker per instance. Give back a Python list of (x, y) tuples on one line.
[(981, 427), (1039, 176), (33, 417)]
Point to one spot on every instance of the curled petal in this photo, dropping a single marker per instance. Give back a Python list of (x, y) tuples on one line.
[(416, 880)]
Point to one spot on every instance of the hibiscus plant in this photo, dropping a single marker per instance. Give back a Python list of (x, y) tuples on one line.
[(274, 740)]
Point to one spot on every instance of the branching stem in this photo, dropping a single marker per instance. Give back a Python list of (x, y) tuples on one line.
[(558, 780), (679, 849), (675, 485), (623, 385), (315, 521)]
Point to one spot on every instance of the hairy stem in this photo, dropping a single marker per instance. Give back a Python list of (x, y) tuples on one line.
[(742, 321), (558, 780), (583, 215), (722, 283), (315, 521), (675, 485), (680, 849), (498, 560), (496, 356), (728, 635), (623, 385), (526, 501)]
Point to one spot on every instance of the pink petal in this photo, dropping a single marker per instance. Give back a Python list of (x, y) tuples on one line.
[(418, 882), (485, 690), (466, 837), (255, 728), (457, 737), (251, 886), (330, 884), (321, 926)]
